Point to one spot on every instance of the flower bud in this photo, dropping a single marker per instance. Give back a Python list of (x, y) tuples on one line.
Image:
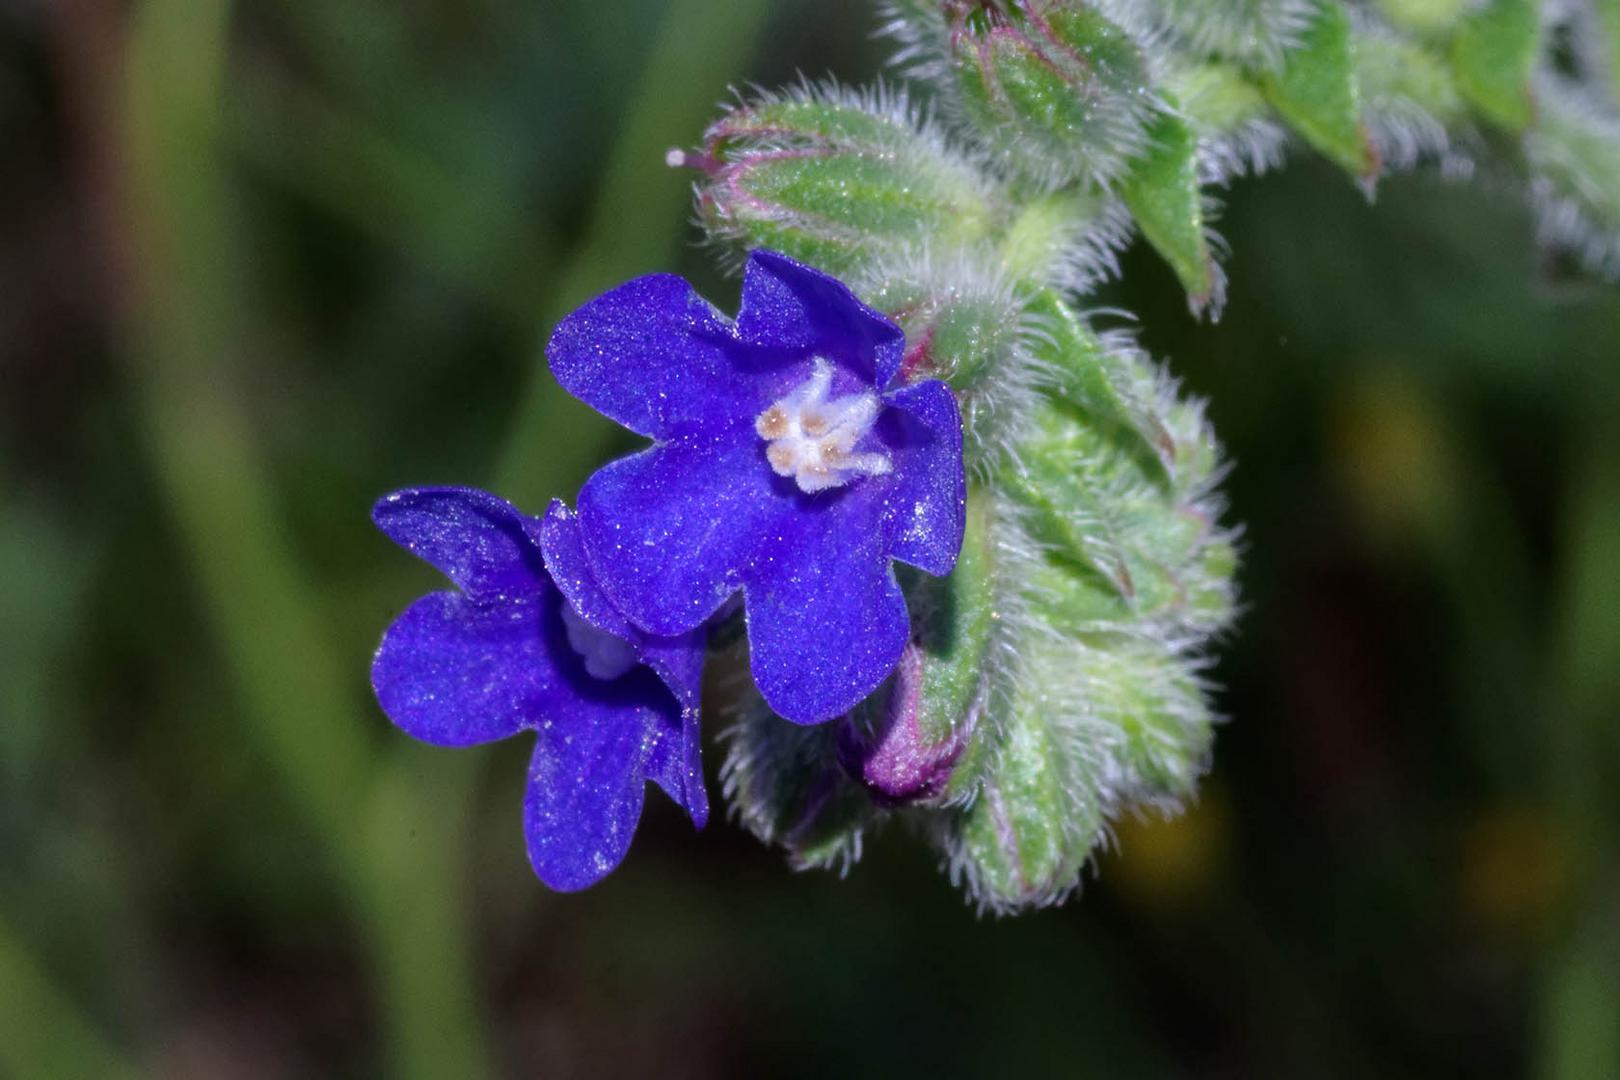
[(1054, 88), (907, 743), (835, 180)]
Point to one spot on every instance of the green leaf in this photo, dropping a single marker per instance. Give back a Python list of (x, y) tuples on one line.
[(1317, 93), (1494, 54), (1162, 191)]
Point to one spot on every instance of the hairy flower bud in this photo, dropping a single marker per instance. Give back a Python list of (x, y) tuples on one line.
[(837, 179), (1053, 87), (907, 743)]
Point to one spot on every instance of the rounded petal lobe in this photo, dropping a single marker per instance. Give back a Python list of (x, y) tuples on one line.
[(925, 509), (826, 620), (787, 305), (653, 355), (586, 786), (669, 530), (475, 539), (455, 673)]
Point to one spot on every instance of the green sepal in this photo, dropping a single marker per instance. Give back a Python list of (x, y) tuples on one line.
[(1316, 92), (1608, 27), (1494, 55), (1255, 33), (1394, 71), (785, 782), (1575, 150), (954, 331), (836, 182), (1084, 376), (1136, 552), (1037, 814), (1426, 18), (1162, 192), (1216, 99), (952, 621)]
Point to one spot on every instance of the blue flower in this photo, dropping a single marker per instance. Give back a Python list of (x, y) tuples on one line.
[(790, 460), (529, 643)]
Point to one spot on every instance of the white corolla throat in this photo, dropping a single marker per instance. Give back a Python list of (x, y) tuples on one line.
[(606, 657), (812, 437)]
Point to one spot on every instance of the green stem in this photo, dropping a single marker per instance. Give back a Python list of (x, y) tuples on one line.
[(297, 694), (1580, 1026), (634, 228), (41, 1031)]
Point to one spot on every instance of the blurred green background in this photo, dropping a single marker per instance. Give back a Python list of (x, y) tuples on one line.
[(262, 262)]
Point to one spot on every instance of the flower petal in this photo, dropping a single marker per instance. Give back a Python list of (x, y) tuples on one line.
[(787, 305), (586, 787), (655, 356), (571, 573), (925, 507), (676, 764), (453, 672), (826, 618), (678, 661), (477, 540), (669, 530)]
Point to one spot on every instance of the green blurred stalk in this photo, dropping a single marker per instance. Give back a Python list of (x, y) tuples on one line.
[(41, 1032), (641, 208), (187, 287), (467, 228), (1580, 991)]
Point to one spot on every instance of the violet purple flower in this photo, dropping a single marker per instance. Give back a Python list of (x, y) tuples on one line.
[(790, 459), (529, 643)]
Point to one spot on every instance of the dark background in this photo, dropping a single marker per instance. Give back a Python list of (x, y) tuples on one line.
[(262, 262)]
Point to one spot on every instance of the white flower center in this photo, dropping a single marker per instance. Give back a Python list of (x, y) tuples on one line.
[(812, 438), (606, 657)]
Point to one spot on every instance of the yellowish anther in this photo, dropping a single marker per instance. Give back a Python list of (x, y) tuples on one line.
[(772, 423), (784, 461), (812, 437)]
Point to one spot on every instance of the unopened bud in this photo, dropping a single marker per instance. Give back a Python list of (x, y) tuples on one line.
[(1056, 89), (836, 181), (906, 743)]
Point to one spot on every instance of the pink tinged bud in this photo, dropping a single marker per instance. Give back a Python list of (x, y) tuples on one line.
[(895, 760)]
